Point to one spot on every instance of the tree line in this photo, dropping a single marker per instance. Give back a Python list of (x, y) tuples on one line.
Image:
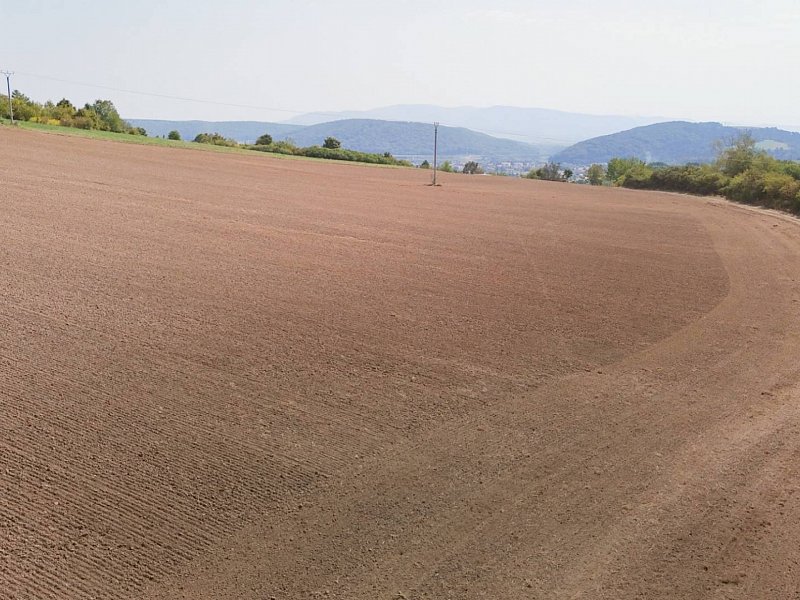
[(741, 172), (330, 149), (102, 115)]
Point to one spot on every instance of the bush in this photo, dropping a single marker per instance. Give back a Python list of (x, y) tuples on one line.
[(331, 143), (472, 168), (692, 179), (174, 135), (264, 140), (351, 155), (780, 190), (619, 168), (215, 139)]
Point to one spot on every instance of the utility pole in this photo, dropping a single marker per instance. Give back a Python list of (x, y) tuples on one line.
[(435, 148), (8, 75)]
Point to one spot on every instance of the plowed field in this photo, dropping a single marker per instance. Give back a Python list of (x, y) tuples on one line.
[(233, 376)]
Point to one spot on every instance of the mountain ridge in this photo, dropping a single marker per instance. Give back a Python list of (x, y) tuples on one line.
[(541, 126), (677, 142), (401, 138)]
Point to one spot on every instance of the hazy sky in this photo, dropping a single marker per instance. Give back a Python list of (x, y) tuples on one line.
[(735, 61)]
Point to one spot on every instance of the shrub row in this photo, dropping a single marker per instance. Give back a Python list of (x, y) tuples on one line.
[(741, 173), (286, 147)]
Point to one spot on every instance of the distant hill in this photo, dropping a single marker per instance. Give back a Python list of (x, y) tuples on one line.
[(540, 126), (241, 131), (403, 139), (415, 139), (676, 142)]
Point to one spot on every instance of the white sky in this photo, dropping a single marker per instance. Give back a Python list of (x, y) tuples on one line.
[(735, 61)]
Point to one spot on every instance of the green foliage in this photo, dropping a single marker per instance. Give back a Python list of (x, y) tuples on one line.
[(215, 139), (288, 147), (264, 140), (446, 167), (549, 172), (472, 168), (425, 165), (102, 115), (596, 174), (781, 190), (174, 135), (352, 155), (620, 168), (741, 173), (331, 143), (108, 117), (738, 156), (691, 179)]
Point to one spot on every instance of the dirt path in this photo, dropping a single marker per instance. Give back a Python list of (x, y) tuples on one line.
[(235, 377)]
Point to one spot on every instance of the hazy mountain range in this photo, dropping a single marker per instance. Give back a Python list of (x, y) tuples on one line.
[(402, 139), (520, 134), (539, 126)]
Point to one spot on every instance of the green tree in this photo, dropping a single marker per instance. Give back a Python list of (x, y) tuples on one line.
[(596, 174), (550, 171), (446, 167), (331, 143), (174, 135), (619, 168), (64, 111), (24, 108), (472, 168), (567, 174), (108, 117), (425, 165), (738, 155), (264, 140)]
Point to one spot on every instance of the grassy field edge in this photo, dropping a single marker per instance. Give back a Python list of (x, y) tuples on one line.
[(141, 140)]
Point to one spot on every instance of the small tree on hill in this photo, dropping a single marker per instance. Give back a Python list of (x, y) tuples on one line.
[(264, 140), (331, 143), (472, 168), (447, 167), (738, 155), (425, 165), (551, 171), (596, 174), (174, 135)]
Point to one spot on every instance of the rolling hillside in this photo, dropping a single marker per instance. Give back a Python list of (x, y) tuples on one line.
[(676, 142), (541, 126), (365, 135), (409, 139)]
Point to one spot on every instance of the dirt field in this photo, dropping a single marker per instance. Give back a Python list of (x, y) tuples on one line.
[(235, 377)]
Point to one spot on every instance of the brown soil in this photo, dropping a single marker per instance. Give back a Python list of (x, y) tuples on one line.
[(231, 376)]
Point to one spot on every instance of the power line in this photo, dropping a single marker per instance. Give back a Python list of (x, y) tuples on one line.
[(251, 106), (167, 96)]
